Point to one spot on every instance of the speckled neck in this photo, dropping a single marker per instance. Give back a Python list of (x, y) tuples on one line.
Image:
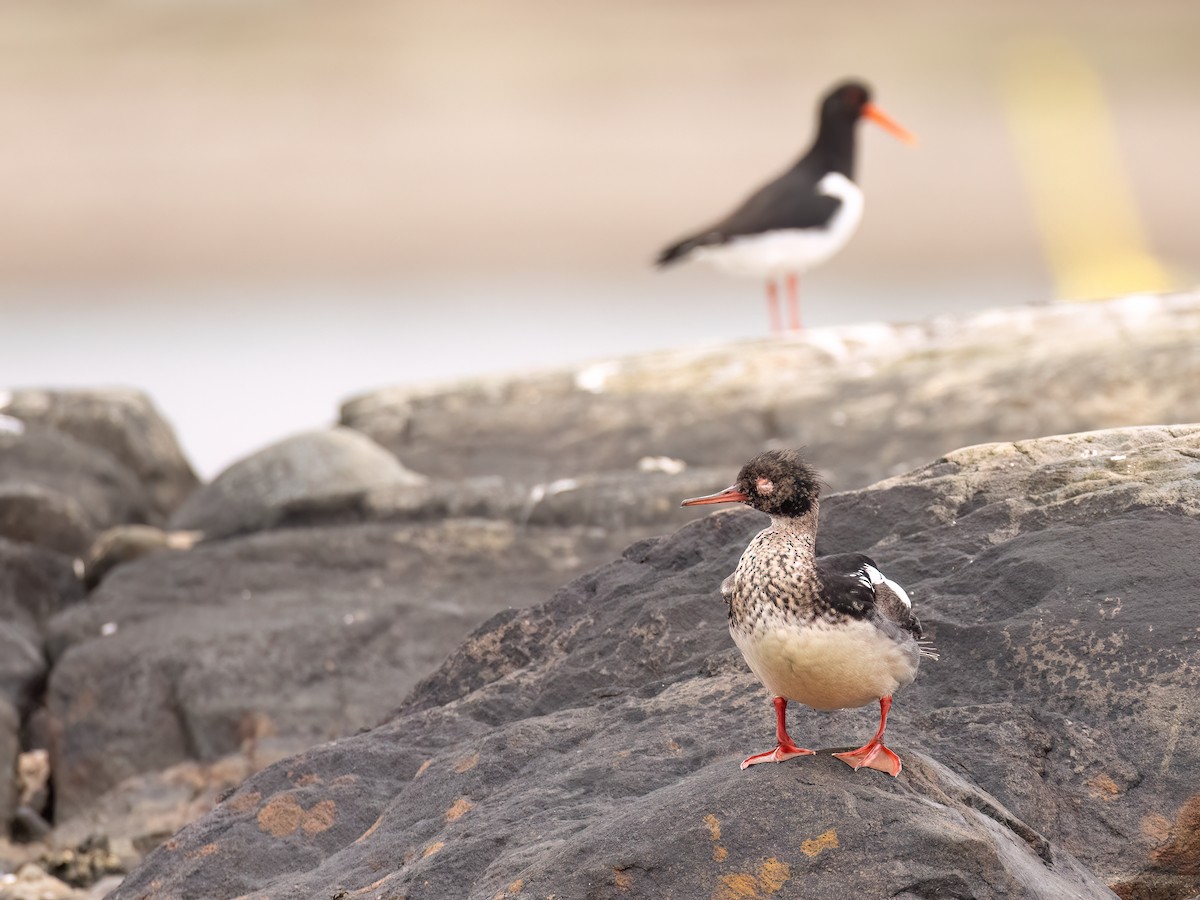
[(799, 531)]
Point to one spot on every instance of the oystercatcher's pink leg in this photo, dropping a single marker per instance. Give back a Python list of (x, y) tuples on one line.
[(873, 754), (793, 284), (773, 306), (786, 748)]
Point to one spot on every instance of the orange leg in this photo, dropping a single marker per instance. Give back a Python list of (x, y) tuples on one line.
[(793, 285), (773, 306), (873, 754), (786, 748)]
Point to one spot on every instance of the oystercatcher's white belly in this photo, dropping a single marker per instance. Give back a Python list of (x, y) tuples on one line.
[(827, 666), (775, 253)]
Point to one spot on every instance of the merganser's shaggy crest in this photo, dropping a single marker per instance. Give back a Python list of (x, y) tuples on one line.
[(830, 632), (804, 216)]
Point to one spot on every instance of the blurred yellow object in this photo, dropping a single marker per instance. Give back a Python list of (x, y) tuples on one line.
[(1067, 151)]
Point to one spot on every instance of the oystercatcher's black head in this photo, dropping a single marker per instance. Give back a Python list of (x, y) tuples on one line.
[(848, 102), (778, 482), (845, 101)]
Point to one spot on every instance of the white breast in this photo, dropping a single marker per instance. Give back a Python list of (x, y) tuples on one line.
[(827, 666), (775, 253)]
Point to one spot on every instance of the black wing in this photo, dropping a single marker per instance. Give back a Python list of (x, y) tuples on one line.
[(848, 584), (790, 201)]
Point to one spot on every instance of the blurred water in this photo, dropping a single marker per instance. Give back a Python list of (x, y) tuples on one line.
[(236, 368)]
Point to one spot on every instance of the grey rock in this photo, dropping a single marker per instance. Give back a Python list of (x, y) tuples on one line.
[(319, 631), (125, 543), (589, 746), (253, 494), (124, 424), (58, 492), (34, 585), (617, 503), (631, 796), (868, 401), (10, 749)]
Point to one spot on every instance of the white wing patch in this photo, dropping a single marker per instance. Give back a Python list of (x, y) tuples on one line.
[(877, 577)]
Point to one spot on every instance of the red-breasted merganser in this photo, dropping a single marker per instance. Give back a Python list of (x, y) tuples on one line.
[(831, 632)]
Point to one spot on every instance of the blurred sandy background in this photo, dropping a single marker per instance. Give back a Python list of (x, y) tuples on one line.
[(253, 209)]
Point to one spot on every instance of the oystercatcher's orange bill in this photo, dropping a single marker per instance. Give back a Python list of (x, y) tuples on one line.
[(887, 123), (729, 495)]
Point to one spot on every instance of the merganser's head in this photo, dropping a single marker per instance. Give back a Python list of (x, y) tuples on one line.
[(778, 482)]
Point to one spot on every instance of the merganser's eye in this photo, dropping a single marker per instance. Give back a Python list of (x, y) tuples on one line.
[(765, 486)]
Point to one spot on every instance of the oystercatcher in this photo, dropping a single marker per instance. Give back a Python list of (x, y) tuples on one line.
[(804, 216), (832, 632)]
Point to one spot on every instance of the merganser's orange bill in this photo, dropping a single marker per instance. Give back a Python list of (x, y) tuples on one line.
[(887, 123), (729, 495)]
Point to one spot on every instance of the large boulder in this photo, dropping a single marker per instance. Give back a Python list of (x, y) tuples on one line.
[(589, 746), (124, 424), (308, 468), (301, 635), (59, 493), (868, 402)]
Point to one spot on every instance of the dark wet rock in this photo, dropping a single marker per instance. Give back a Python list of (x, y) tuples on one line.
[(589, 746), (34, 585), (317, 632), (10, 749), (58, 492), (868, 402), (254, 493), (124, 424)]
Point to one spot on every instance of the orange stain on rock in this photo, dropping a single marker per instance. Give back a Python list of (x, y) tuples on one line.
[(433, 849), (623, 880), (737, 887), (421, 771), (1103, 787), (1156, 827), (283, 815), (771, 877), (245, 802), (772, 874), (826, 841), (714, 826), (1181, 853), (458, 809), (467, 763), (204, 852), (373, 886), (320, 818)]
